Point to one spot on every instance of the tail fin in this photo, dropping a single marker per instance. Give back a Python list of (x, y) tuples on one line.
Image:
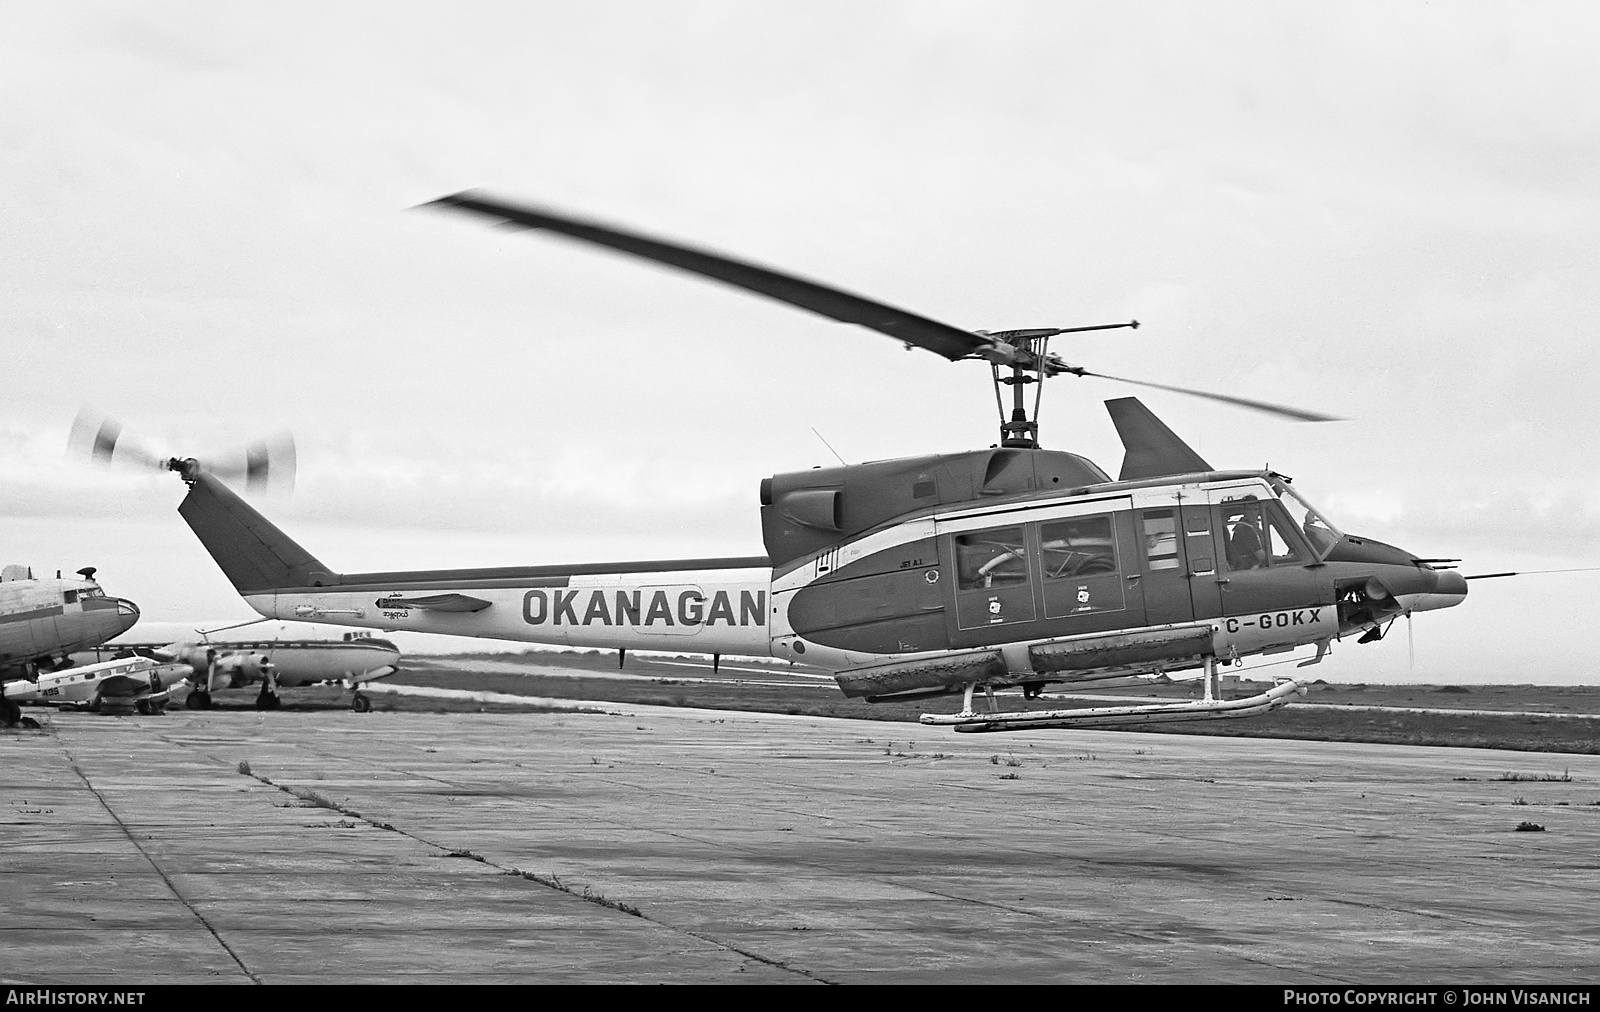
[(253, 554), (1151, 449)]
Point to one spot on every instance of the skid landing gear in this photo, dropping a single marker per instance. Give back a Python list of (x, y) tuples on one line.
[(1210, 707)]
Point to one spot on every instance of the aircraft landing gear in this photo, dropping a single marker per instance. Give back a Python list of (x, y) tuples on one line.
[(116, 706), (10, 713), (199, 699), (266, 699), (151, 709), (360, 703)]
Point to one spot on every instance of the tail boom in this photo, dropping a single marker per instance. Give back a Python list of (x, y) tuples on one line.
[(700, 605)]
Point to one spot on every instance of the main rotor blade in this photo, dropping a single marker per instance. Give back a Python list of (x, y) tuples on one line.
[(1243, 402), (951, 342)]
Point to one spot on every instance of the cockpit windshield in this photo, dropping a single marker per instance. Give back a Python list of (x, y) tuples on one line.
[(1322, 534)]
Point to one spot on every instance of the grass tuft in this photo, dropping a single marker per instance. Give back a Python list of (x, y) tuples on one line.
[(1564, 777), (588, 895), (312, 798)]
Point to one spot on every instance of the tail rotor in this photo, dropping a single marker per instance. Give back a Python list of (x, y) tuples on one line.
[(265, 465)]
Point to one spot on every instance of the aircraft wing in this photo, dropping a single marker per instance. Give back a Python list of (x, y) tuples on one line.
[(437, 602), (125, 685)]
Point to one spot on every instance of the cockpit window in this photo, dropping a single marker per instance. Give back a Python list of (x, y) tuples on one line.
[(1321, 534), (1255, 536), (69, 597)]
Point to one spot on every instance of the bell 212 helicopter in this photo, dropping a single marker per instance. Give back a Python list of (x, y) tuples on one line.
[(1013, 566)]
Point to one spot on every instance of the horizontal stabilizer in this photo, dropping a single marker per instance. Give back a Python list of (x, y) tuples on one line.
[(1151, 450), (436, 602)]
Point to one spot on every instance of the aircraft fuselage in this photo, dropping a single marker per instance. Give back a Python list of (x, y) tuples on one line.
[(52, 618)]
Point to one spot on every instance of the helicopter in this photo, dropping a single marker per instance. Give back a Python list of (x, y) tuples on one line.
[(915, 578)]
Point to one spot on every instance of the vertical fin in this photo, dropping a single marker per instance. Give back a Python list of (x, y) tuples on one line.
[(254, 555), (1151, 450)]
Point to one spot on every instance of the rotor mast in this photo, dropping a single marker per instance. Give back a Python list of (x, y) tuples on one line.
[(1027, 354)]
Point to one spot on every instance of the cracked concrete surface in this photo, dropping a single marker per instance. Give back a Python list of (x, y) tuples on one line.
[(666, 845)]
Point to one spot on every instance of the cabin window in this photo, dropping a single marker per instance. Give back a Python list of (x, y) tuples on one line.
[(1081, 546), (69, 597), (1161, 539), (996, 558), (1082, 567)]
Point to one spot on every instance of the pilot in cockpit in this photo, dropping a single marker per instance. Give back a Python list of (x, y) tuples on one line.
[(1245, 548)]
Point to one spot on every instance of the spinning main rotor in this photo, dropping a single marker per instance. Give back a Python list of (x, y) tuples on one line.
[(1022, 352)]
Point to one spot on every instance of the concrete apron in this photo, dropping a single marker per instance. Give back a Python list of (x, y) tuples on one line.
[(515, 847)]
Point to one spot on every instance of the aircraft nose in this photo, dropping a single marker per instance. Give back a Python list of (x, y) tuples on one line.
[(127, 613), (1450, 589)]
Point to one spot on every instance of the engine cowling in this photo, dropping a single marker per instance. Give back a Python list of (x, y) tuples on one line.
[(221, 670), (240, 669)]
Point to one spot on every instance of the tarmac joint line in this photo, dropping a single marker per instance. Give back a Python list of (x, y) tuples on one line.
[(588, 895), (73, 762)]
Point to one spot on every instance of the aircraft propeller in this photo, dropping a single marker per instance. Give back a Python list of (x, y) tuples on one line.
[(267, 464), (1019, 350)]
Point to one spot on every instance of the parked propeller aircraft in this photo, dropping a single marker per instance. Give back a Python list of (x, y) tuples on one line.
[(42, 621), (1013, 566), (269, 654), (119, 686)]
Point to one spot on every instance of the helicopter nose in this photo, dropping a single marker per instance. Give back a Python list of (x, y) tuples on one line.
[(1450, 589)]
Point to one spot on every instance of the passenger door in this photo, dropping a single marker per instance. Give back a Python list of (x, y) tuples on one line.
[(1178, 563), (1089, 573)]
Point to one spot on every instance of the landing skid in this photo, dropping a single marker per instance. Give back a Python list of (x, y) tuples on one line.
[(1210, 707), (1121, 716)]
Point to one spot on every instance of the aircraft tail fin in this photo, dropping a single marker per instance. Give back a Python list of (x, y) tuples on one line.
[(1151, 450), (253, 554)]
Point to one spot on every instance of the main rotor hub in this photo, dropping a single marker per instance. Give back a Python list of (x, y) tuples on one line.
[(1024, 351)]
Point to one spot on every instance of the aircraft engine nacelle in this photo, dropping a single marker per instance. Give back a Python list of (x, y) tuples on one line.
[(240, 669), (197, 657)]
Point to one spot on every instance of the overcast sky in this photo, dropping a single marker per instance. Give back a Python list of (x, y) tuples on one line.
[(1385, 211)]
